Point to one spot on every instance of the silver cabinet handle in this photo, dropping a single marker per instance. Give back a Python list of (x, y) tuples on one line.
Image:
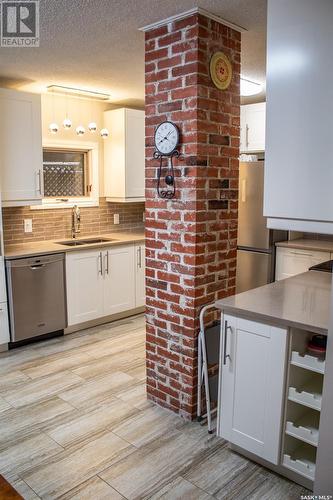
[(139, 258), (107, 262), (37, 266), (247, 135), (225, 355), (40, 183), (100, 270)]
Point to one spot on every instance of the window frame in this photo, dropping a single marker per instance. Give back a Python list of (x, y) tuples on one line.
[(92, 151)]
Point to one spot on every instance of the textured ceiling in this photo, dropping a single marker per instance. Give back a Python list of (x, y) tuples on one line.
[(96, 44)]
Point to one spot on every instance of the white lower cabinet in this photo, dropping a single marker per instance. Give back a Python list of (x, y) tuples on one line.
[(253, 360), (290, 261), (140, 275), (85, 286), (4, 326), (103, 282), (119, 279)]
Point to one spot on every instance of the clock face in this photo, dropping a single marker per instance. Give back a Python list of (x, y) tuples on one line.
[(166, 138)]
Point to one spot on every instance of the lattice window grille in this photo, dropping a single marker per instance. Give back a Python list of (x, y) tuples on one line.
[(63, 180)]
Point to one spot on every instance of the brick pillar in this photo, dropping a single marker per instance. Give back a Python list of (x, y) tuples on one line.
[(190, 240)]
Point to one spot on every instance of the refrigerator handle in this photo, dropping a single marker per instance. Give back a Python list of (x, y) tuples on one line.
[(243, 197)]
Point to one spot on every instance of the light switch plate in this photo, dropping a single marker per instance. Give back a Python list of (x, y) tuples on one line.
[(28, 225), (116, 218)]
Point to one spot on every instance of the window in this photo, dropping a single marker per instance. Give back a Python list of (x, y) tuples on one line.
[(71, 174), (66, 174)]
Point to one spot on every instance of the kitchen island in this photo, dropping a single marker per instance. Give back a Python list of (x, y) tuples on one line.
[(270, 387)]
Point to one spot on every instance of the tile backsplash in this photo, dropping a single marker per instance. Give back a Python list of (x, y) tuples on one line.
[(51, 224)]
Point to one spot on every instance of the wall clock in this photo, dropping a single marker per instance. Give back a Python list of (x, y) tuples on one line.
[(220, 70), (166, 139)]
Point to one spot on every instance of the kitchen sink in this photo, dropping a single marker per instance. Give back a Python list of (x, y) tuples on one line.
[(70, 243), (97, 240), (88, 241)]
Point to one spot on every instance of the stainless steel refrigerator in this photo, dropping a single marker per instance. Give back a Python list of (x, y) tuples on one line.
[(256, 243)]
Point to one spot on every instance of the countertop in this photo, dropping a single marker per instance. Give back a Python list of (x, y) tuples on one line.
[(302, 301), (51, 246), (304, 244)]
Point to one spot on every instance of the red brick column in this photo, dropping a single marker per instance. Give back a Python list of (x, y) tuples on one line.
[(190, 240)]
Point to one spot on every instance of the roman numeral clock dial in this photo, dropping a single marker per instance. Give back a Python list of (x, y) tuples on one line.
[(166, 140)]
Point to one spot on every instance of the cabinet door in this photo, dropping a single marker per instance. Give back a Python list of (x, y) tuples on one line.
[(290, 262), (140, 279), (3, 292), (84, 280), (255, 122), (298, 171), (135, 153), (21, 147), (252, 386), (243, 130), (119, 279), (4, 326)]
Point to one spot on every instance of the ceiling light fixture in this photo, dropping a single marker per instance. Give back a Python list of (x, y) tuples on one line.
[(92, 127), (67, 123), (248, 88), (80, 130), (53, 128), (71, 91), (104, 133)]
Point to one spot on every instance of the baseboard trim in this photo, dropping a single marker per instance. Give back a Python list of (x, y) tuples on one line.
[(278, 469), (102, 321), (3, 347)]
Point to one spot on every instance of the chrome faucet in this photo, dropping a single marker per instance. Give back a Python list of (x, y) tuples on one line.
[(76, 221)]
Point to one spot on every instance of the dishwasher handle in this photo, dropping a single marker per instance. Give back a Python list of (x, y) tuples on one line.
[(37, 266)]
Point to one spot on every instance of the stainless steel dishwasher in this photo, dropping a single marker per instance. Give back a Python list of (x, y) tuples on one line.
[(36, 296)]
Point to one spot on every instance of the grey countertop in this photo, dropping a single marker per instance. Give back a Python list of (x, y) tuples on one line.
[(304, 244), (302, 301), (51, 246)]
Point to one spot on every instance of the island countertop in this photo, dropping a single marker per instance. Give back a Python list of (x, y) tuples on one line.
[(302, 301)]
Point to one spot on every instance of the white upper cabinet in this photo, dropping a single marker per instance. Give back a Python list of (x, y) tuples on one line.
[(252, 386), (21, 148), (124, 155), (253, 117), (298, 162)]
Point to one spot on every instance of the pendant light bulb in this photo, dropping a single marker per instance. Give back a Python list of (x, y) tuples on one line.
[(92, 127), (53, 128), (67, 123), (104, 133), (80, 130)]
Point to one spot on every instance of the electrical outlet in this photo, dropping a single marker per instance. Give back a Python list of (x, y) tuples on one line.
[(28, 225), (116, 218), (143, 216)]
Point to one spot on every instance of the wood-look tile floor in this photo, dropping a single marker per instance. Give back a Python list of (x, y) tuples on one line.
[(75, 424)]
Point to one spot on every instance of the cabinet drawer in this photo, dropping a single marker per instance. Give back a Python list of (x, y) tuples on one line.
[(290, 262)]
